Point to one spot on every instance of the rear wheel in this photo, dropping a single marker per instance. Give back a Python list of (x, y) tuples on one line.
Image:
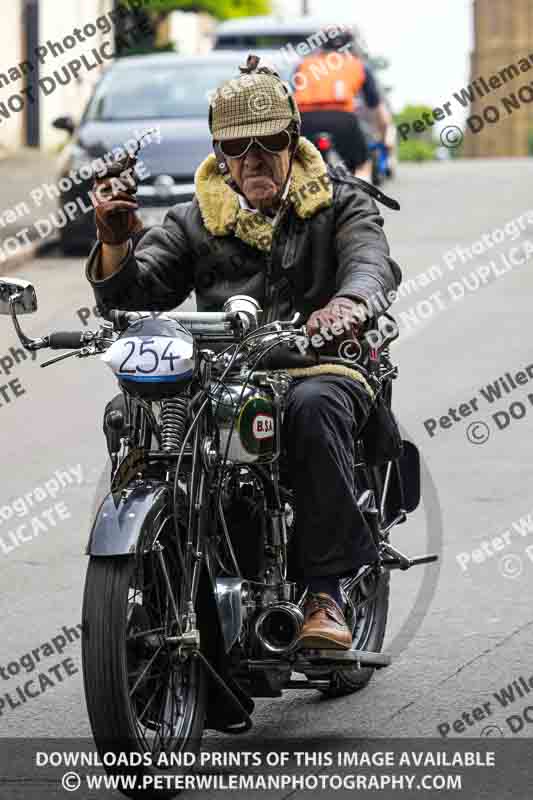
[(142, 697), (366, 609)]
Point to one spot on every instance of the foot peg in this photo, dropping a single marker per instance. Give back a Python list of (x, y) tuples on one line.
[(339, 658), (394, 559)]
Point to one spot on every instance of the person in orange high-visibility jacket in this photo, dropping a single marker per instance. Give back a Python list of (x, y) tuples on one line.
[(327, 84), (329, 81)]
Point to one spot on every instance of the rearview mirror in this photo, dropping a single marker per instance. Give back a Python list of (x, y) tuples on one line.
[(22, 291), (64, 124)]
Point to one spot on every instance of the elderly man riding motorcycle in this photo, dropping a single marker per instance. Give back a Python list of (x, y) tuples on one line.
[(269, 221)]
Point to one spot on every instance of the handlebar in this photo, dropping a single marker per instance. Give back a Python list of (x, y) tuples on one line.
[(205, 323), (285, 356), (288, 356), (67, 340)]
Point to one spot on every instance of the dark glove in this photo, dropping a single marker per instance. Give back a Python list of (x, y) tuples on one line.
[(349, 313), (115, 206), (349, 318)]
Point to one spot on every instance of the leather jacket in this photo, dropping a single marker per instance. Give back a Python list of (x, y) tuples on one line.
[(326, 242)]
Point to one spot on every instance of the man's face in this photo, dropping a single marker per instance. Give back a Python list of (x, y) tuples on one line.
[(260, 176)]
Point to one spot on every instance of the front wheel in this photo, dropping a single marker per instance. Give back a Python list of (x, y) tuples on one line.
[(366, 610), (142, 697)]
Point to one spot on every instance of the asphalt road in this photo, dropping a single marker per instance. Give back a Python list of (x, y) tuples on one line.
[(474, 637)]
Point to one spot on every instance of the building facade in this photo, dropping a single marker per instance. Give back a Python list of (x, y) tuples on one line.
[(192, 33), (66, 33), (27, 110), (502, 39)]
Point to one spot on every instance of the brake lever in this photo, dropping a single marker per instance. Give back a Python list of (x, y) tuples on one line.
[(297, 317), (280, 325), (91, 350), (59, 358)]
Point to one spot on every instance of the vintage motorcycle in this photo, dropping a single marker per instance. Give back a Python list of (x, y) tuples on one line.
[(189, 608)]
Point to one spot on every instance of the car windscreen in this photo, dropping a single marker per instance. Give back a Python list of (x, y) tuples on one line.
[(166, 92), (269, 41)]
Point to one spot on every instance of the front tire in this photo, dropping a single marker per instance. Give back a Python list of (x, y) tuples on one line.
[(140, 696)]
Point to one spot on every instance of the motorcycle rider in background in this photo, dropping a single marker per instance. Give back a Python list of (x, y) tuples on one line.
[(328, 93), (268, 221)]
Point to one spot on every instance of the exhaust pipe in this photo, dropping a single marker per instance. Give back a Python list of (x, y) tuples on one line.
[(278, 627)]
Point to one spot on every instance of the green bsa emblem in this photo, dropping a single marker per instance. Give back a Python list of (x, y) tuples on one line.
[(257, 427)]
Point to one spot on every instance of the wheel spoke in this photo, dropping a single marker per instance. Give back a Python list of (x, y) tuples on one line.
[(169, 590), (144, 634), (147, 706), (159, 689), (145, 670)]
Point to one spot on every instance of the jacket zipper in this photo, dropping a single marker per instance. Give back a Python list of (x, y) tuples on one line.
[(272, 292)]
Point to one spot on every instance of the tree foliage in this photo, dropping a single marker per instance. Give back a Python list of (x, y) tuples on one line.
[(416, 150), (410, 114), (419, 146), (221, 9), (155, 12)]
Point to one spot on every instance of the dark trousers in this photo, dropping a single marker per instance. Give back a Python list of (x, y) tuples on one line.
[(348, 138), (324, 415)]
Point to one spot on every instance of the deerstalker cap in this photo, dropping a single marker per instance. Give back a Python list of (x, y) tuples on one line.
[(256, 103)]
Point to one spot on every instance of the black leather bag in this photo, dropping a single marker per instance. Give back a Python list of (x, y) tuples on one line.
[(381, 435)]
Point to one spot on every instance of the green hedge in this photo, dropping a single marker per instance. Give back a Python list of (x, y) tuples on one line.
[(416, 150)]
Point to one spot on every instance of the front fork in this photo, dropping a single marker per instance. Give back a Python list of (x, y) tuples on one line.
[(191, 557)]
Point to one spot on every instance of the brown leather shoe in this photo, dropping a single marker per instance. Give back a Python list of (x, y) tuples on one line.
[(324, 625)]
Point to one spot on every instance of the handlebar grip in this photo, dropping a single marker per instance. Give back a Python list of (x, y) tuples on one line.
[(120, 319), (66, 340), (206, 322)]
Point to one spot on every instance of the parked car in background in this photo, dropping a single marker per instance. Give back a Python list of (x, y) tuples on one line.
[(137, 93), (287, 43), (273, 33)]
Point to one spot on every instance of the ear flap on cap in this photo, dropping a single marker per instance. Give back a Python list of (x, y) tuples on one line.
[(221, 161)]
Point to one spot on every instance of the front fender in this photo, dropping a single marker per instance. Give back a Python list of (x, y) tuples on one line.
[(128, 517), (129, 520)]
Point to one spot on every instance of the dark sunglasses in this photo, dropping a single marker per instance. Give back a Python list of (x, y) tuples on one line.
[(237, 148)]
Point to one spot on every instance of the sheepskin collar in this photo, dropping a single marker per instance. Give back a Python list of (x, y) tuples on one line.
[(309, 191)]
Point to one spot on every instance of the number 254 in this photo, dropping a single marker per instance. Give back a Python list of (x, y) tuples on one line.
[(143, 348)]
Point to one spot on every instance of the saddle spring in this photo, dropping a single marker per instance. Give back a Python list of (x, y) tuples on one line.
[(173, 420)]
